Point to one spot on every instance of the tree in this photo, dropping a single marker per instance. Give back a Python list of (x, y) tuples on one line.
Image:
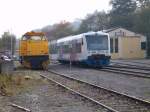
[(58, 30), (102, 21), (123, 7), (0, 44), (122, 13), (86, 25), (94, 22), (142, 25), (142, 22), (143, 3), (6, 42)]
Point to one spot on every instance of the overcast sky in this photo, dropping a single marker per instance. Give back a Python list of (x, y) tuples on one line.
[(20, 16)]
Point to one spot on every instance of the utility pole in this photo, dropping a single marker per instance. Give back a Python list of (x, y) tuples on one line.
[(70, 62), (11, 38)]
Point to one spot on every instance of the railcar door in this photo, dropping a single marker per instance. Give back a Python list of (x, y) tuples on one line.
[(60, 51), (73, 51)]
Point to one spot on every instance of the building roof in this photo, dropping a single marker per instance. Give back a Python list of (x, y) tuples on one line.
[(115, 28), (111, 29)]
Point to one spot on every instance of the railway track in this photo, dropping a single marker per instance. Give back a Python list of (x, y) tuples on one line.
[(107, 109), (136, 62), (127, 65), (109, 99), (127, 71)]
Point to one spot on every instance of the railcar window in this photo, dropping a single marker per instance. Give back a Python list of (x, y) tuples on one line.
[(97, 42), (66, 48), (78, 47)]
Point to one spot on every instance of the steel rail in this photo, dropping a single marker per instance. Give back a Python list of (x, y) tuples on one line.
[(126, 72), (131, 65), (136, 62), (80, 94), (20, 107), (109, 90)]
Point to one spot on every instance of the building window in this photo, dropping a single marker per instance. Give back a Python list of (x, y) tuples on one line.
[(143, 45), (111, 45), (116, 45)]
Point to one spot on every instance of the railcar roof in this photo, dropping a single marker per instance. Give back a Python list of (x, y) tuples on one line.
[(80, 36)]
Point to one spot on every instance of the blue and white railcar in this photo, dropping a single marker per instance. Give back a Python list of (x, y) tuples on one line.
[(92, 49), (53, 50)]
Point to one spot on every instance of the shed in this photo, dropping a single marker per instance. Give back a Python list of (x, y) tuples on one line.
[(126, 44)]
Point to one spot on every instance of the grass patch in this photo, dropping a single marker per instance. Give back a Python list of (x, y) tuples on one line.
[(5, 81), (17, 83)]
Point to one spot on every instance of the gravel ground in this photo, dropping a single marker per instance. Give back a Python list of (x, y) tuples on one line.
[(134, 86), (46, 97), (106, 97), (52, 99), (4, 107)]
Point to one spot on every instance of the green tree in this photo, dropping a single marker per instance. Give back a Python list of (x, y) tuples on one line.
[(0, 44), (62, 29), (94, 22), (142, 25), (123, 7), (59, 30), (122, 13), (6, 41), (102, 20), (86, 25), (143, 3)]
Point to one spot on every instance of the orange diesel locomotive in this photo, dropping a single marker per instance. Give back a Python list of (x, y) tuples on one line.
[(34, 51)]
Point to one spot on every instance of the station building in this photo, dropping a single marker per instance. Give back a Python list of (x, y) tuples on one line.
[(126, 44)]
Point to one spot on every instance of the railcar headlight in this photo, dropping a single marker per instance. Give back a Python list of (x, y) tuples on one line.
[(106, 51)]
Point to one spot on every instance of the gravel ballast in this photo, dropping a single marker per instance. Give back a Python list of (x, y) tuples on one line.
[(134, 86), (46, 97)]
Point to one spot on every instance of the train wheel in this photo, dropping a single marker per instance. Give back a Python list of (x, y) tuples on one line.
[(45, 65)]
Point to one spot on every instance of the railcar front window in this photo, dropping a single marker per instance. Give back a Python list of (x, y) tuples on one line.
[(97, 42)]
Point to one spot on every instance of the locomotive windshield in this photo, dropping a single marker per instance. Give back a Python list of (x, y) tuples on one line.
[(34, 38), (97, 42)]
